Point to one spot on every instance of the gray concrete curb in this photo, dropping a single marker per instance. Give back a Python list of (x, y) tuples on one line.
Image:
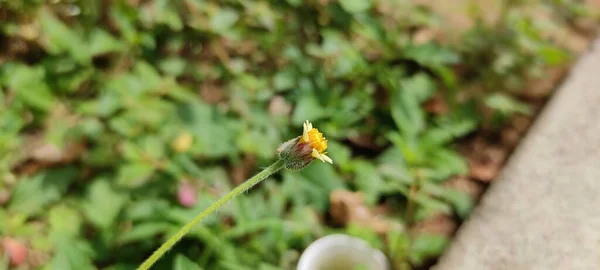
[(543, 212)]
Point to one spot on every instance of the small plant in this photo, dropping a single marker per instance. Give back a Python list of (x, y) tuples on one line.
[(294, 154)]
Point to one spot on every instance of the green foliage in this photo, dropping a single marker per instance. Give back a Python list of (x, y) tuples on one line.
[(107, 107), (427, 246)]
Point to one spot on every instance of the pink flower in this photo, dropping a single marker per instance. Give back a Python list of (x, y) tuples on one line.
[(17, 252), (186, 195)]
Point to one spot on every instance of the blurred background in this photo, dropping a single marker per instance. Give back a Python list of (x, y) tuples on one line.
[(120, 120)]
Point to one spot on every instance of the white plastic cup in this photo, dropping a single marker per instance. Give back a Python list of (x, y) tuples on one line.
[(342, 252)]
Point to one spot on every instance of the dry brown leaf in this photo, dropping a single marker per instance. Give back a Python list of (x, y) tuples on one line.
[(48, 153), (486, 164), (239, 173), (521, 123), (4, 196), (425, 35), (348, 207), (278, 106), (510, 137), (466, 185), (211, 93), (363, 140), (241, 47), (440, 224), (456, 14), (541, 88), (436, 105)]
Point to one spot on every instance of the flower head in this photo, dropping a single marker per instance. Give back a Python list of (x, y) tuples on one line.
[(317, 142), (297, 153)]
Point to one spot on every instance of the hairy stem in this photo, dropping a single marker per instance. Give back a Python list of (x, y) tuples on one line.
[(188, 227)]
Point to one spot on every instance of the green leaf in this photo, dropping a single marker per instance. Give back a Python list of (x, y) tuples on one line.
[(407, 113), (134, 175), (294, 3), (427, 246), (284, 80), (65, 219), (30, 86), (308, 107), (398, 245), (32, 196), (553, 56), (71, 253), (144, 231), (266, 266), (461, 201), (447, 163), (124, 23), (507, 105), (102, 42), (173, 66), (340, 154), (163, 12), (184, 263), (366, 234), (323, 175), (431, 55), (448, 128), (102, 204), (356, 6), (408, 148), (62, 39), (420, 85), (146, 209), (223, 19), (153, 147), (369, 181)]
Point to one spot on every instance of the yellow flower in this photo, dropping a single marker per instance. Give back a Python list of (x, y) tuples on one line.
[(317, 142), (298, 152)]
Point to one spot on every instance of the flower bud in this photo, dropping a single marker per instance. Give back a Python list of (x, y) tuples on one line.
[(295, 156), (299, 152)]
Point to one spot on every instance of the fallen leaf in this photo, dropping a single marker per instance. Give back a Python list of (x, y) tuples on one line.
[(348, 207), (464, 184), (211, 93), (439, 224), (4, 196), (436, 105), (363, 140), (486, 164), (278, 106), (242, 171), (425, 35), (510, 137), (521, 123), (541, 88), (47, 153)]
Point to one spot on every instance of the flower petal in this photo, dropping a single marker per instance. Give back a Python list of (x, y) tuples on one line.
[(317, 155), (307, 126), (327, 159)]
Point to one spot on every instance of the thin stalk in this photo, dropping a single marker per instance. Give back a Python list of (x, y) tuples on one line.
[(188, 227), (412, 194)]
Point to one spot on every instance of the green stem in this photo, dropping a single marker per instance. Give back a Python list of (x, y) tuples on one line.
[(188, 227), (412, 194)]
